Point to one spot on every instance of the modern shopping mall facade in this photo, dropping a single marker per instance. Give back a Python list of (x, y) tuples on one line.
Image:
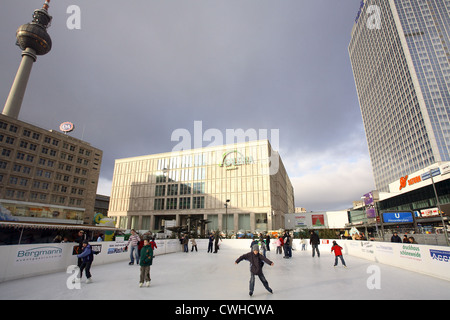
[(235, 187)]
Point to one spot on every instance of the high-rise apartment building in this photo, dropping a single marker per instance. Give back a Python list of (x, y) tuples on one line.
[(46, 176), (400, 56)]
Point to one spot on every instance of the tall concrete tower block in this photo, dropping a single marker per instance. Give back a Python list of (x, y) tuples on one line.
[(34, 40)]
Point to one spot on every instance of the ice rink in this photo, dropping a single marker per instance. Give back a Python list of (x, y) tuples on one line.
[(206, 276)]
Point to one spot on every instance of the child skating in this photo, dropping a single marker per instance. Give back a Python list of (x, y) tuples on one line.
[(338, 254), (256, 263), (145, 261)]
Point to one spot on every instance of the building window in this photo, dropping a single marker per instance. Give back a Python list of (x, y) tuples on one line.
[(185, 203), (199, 188), (185, 188), (160, 191), (198, 203), (159, 204), (172, 189), (172, 203)]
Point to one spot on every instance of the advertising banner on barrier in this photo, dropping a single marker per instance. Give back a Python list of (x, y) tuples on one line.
[(38, 254), (440, 255)]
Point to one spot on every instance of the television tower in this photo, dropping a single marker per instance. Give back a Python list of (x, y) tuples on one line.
[(34, 40)]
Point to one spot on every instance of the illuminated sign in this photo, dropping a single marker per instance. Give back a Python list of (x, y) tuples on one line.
[(233, 159), (66, 127), (398, 217), (404, 180)]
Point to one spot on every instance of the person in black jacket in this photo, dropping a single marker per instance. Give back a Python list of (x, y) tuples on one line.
[(396, 238), (256, 263), (314, 242)]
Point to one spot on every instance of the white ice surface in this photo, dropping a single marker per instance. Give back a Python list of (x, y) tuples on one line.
[(207, 276)]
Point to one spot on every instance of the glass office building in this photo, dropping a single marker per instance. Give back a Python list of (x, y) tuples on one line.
[(399, 51), (230, 188)]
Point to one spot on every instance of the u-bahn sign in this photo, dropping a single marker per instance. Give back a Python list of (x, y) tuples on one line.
[(398, 217)]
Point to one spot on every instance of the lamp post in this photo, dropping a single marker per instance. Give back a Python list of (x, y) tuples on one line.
[(439, 208), (226, 217)]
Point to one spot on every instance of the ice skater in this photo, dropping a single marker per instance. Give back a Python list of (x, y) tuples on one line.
[(145, 261), (256, 264), (134, 240), (87, 257), (338, 254), (314, 241)]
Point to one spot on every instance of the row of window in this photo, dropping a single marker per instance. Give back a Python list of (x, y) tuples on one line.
[(42, 161), (174, 189), (51, 152), (36, 136), (35, 196), (42, 185), (179, 203)]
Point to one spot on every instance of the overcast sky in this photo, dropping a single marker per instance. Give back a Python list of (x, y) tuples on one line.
[(138, 70)]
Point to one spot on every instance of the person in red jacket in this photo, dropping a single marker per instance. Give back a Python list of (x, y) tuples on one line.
[(338, 253)]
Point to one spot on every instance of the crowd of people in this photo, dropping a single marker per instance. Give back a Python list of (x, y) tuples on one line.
[(142, 253), (396, 238)]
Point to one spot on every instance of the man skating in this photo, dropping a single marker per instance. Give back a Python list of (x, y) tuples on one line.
[(256, 263)]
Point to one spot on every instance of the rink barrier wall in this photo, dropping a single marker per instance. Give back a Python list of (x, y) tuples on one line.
[(21, 261), (425, 259)]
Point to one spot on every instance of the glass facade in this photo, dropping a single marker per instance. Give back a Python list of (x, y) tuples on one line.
[(199, 182), (426, 25), (401, 72)]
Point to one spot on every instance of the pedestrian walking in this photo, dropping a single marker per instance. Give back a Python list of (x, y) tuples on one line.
[(145, 261), (337, 254), (314, 242), (256, 263)]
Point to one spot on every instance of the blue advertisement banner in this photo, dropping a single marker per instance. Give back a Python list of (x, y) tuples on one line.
[(440, 255), (398, 217)]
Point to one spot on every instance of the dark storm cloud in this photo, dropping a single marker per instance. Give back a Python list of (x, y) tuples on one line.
[(138, 70)]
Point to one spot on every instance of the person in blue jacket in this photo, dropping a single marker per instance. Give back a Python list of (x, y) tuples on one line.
[(87, 256)]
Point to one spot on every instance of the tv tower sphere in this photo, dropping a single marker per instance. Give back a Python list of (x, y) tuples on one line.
[(34, 34), (34, 40)]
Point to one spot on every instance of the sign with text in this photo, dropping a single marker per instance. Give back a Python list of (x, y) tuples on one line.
[(398, 217)]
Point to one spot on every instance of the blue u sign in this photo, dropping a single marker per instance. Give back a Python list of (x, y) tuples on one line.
[(398, 217)]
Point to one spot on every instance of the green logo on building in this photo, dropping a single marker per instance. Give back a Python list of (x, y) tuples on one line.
[(233, 159)]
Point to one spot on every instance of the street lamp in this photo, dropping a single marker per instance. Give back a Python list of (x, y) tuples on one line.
[(439, 208), (226, 217)]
